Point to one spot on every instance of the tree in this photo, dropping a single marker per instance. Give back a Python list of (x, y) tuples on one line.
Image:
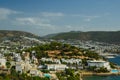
[(8, 64), (112, 65), (69, 72), (102, 69)]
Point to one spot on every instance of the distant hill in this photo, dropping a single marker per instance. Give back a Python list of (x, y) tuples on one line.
[(13, 34), (101, 36)]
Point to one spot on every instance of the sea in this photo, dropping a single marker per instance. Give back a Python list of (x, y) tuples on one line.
[(115, 60)]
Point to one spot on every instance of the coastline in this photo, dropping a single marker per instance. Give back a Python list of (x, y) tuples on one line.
[(103, 76), (98, 74)]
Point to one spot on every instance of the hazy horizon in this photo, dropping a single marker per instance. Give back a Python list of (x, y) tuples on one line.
[(44, 17)]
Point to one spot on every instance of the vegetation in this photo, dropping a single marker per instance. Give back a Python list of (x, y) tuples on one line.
[(112, 65), (18, 76), (102, 69), (91, 54), (8, 64), (98, 70), (92, 68), (45, 71), (63, 49), (69, 74), (84, 61)]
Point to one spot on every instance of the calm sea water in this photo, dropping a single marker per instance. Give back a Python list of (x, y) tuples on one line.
[(115, 60)]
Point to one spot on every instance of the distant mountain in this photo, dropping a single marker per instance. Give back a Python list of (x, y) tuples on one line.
[(8, 34), (101, 36), (49, 35)]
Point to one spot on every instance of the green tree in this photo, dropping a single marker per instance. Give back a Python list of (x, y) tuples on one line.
[(69, 72), (8, 64)]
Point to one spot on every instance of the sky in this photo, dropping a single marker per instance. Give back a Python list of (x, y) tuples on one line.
[(44, 17)]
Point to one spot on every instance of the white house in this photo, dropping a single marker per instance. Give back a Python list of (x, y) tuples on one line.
[(35, 72), (56, 66), (46, 59), (99, 64), (19, 67), (17, 57), (57, 61), (2, 62), (72, 60)]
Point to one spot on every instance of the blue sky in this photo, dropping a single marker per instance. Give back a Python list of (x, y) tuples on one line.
[(44, 17)]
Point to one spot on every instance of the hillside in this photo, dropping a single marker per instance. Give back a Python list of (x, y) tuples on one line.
[(15, 34), (60, 50), (101, 36)]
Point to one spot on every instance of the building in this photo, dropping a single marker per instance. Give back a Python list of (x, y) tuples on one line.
[(2, 63), (46, 59), (72, 61), (19, 67), (57, 61), (35, 72), (56, 66), (17, 57), (99, 64)]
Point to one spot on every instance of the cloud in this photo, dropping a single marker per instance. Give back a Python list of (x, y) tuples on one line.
[(4, 13), (26, 21), (33, 21), (51, 14), (90, 18), (46, 22), (69, 26), (85, 17)]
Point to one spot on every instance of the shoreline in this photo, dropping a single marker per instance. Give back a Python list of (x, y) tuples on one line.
[(98, 74), (84, 74)]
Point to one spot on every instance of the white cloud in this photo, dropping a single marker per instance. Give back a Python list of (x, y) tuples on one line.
[(4, 13), (51, 14), (69, 27), (26, 21), (76, 15), (85, 17), (41, 23), (46, 22), (89, 18)]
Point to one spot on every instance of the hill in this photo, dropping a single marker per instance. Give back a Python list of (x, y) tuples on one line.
[(60, 50), (15, 34), (101, 36)]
